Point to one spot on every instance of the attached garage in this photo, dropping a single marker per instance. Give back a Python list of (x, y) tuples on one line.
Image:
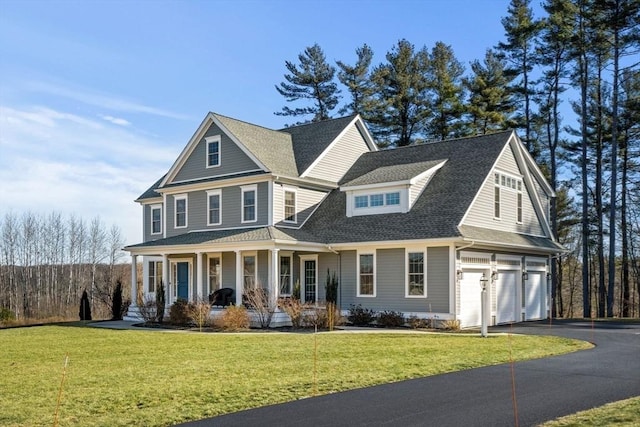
[(534, 291), (507, 297), (470, 307)]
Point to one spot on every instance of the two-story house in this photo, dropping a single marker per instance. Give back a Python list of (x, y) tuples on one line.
[(414, 229)]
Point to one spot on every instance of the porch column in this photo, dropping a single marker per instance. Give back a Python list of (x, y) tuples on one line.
[(134, 280), (199, 275), (274, 276), (239, 277), (166, 280)]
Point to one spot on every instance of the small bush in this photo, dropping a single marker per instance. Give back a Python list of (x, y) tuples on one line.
[(116, 302), (294, 309), (160, 302), (451, 325), (359, 316), (85, 307), (233, 318), (148, 310), (259, 301), (416, 322), (6, 316), (179, 312), (200, 313), (315, 317), (391, 319)]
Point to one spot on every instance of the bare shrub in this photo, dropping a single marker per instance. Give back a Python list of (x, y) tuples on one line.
[(390, 319), (416, 322), (334, 317), (179, 312), (451, 325), (147, 309), (315, 317), (294, 309), (258, 300), (200, 313), (233, 318)]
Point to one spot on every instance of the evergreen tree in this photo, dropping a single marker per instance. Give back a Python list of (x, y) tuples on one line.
[(521, 29), (445, 74), (490, 100), (401, 106), (356, 79), (312, 79), (85, 306), (116, 302)]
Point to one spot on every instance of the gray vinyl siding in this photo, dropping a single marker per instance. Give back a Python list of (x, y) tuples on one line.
[(229, 270), (341, 156), (481, 212), (232, 159), (263, 269), (543, 196), (307, 201), (391, 282), (231, 210), (146, 223), (327, 265)]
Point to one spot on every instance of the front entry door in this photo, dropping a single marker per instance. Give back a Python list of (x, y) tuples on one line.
[(310, 280), (182, 280)]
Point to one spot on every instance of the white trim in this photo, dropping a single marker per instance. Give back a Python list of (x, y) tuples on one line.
[(407, 251), (246, 189), (174, 279), (216, 192), (359, 253), (152, 208), (198, 183), (286, 190), (271, 204), (209, 140), (164, 216), (304, 258), (183, 196)]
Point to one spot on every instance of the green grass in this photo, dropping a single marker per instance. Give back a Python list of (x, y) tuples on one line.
[(625, 413), (123, 378)]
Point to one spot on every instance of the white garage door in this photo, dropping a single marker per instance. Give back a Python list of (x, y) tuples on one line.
[(534, 296), (470, 298), (507, 297)]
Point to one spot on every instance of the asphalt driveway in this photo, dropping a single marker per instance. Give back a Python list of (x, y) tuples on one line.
[(545, 388)]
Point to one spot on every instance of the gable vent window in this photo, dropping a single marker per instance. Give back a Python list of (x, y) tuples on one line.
[(213, 151)]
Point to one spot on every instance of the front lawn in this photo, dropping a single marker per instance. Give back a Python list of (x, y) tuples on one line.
[(123, 378)]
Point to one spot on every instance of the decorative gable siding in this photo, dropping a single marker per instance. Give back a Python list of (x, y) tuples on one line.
[(232, 159), (481, 213), (542, 196), (340, 157), (307, 200)]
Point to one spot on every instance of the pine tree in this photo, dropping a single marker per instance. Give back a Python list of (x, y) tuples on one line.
[(400, 86), (490, 100), (116, 302), (85, 306), (356, 79), (445, 74), (312, 79)]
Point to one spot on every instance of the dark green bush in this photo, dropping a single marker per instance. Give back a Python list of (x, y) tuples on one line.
[(179, 313), (116, 306), (6, 315), (391, 319), (160, 301), (359, 316), (85, 307)]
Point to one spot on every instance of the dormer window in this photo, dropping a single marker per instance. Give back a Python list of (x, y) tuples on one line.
[(389, 200), (213, 151)]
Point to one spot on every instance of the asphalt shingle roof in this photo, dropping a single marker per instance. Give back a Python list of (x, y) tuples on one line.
[(394, 173), (505, 238)]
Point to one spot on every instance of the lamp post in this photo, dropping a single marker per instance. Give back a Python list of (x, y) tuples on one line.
[(483, 306)]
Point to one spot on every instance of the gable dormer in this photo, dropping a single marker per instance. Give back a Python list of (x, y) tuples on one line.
[(389, 189)]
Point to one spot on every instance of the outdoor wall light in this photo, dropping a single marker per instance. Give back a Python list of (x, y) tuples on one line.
[(494, 276), (459, 274), (525, 276)]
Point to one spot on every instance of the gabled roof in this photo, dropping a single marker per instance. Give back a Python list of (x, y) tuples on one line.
[(151, 192), (438, 210)]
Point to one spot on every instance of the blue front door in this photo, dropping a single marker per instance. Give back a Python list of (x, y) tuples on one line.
[(183, 280)]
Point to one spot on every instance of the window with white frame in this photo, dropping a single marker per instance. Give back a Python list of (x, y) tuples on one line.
[(289, 206), (415, 274), (366, 275), (214, 207), (377, 200), (496, 197), (249, 203), (215, 273), (505, 182), (155, 275), (213, 151), (156, 219), (249, 271), (285, 275), (519, 208), (180, 206)]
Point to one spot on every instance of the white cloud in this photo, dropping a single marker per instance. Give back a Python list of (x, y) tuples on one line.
[(115, 120)]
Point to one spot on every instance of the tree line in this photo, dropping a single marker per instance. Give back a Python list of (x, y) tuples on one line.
[(568, 82), (47, 261)]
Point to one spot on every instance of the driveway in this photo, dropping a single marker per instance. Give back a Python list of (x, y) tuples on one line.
[(545, 388)]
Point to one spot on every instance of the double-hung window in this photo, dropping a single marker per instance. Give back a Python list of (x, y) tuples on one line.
[(213, 151), (415, 274), (214, 207), (249, 203), (155, 275), (289, 206), (156, 219), (249, 271), (215, 273), (366, 275), (180, 206), (285, 275)]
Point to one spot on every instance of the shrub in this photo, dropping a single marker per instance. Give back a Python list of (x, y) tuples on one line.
[(294, 309), (258, 300), (315, 317), (6, 316), (160, 302), (416, 322), (391, 319), (200, 313), (148, 310), (359, 316), (451, 325), (85, 307), (331, 288), (179, 312), (116, 302), (233, 318)]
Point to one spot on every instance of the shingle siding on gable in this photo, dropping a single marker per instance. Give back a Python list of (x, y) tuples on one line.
[(232, 159), (481, 213), (341, 157)]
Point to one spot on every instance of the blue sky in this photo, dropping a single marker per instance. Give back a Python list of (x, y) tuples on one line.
[(98, 98)]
